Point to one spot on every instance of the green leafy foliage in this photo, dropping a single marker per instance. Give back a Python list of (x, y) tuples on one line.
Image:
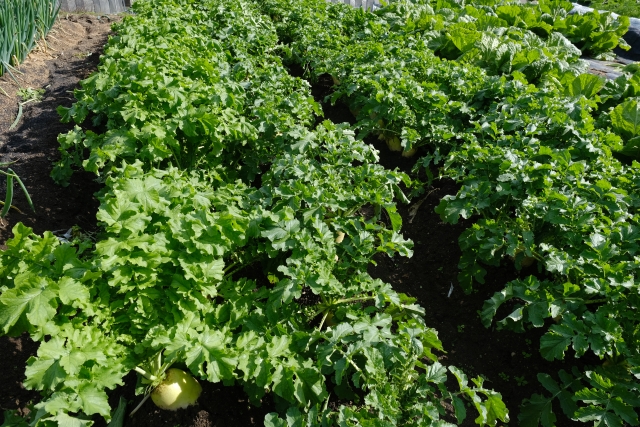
[(595, 33), (509, 115), (167, 274), (606, 397), (12, 419), (187, 85), (192, 103), (622, 7), (232, 277)]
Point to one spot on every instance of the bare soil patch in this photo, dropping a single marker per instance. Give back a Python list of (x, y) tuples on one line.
[(70, 54)]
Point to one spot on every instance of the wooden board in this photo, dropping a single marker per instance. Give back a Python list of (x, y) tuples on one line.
[(95, 6)]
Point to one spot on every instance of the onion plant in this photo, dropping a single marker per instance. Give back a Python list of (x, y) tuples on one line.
[(22, 24), (7, 204)]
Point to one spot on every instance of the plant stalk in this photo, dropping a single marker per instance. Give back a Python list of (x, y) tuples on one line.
[(146, 396), (145, 374)]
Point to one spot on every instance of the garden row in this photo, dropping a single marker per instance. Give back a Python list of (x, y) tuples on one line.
[(236, 232), (22, 24), (493, 96)]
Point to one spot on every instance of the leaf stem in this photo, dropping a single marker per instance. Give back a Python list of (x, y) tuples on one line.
[(234, 271), (353, 299), (326, 313), (593, 301), (596, 301), (145, 374), (12, 207), (324, 306), (24, 189), (9, 196), (230, 266), (239, 267), (146, 396)]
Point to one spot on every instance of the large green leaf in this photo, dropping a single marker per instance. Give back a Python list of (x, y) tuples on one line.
[(34, 297), (587, 85), (632, 148), (625, 119)]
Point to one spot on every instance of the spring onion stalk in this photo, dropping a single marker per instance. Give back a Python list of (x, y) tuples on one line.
[(22, 24), (10, 174), (8, 197)]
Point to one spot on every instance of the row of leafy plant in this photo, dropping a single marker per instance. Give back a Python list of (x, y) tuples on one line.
[(545, 157), (234, 241), (22, 24), (454, 28)]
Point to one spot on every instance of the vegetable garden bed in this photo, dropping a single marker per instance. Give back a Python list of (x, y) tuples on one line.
[(427, 276), (281, 250)]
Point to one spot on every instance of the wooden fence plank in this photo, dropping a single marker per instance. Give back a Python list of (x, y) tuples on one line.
[(97, 6), (102, 6), (68, 5), (113, 6)]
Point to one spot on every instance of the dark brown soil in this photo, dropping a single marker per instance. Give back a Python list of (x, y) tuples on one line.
[(70, 54), (509, 362)]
